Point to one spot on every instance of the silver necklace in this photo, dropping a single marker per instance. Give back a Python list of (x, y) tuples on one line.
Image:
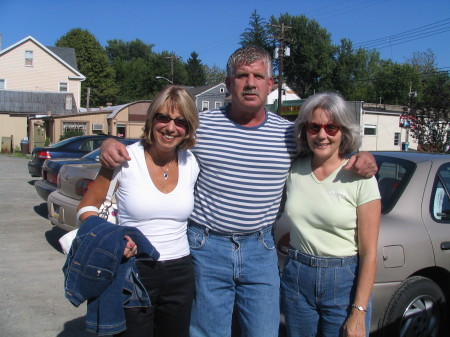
[(164, 171)]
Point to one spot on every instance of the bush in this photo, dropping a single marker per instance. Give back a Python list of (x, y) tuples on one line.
[(71, 133)]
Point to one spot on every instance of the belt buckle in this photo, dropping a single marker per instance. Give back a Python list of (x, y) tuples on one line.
[(313, 262)]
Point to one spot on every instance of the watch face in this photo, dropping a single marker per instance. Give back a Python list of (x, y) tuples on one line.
[(359, 307)]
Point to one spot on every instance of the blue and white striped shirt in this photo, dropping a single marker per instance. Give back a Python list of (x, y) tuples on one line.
[(242, 171)]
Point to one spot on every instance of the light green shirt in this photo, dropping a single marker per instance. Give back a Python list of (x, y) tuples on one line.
[(323, 213)]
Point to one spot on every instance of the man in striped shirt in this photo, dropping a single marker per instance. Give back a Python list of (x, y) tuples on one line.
[(244, 153)]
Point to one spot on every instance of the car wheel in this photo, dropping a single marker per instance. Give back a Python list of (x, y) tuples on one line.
[(417, 309)]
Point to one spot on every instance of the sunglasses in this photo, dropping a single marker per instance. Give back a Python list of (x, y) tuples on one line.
[(331, 129), (180, 122)]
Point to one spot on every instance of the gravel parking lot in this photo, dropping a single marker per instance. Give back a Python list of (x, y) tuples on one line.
[(32, 301)]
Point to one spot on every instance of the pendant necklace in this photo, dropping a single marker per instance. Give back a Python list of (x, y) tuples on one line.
[(165, 173), (166, 170)]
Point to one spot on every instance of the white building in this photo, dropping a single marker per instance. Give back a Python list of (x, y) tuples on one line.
[(287, 94)]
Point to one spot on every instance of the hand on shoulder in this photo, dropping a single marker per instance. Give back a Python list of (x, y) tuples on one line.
[(113, 153), (363, 163)]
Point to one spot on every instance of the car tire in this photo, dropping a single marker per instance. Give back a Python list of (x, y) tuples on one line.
[(417, 308)]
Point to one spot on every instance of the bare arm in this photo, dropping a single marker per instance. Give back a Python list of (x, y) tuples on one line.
[(363, 163), (96, 193), (113, 153), (95, 196), (368, 227)]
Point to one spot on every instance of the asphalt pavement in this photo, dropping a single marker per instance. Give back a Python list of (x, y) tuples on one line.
[(32, 302)]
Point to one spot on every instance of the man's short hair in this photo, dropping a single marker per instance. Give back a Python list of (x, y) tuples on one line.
[(246, 56)]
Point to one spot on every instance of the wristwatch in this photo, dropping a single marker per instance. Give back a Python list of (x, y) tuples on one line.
[(359, 307)]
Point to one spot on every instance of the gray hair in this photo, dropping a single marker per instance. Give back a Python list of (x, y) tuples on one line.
[(248, 55), (339, 113)]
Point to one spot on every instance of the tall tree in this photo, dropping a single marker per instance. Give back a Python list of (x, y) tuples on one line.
[(195, 71), (118, 49), (310, 66), (174, 68), (354, 71), (93, 63), (393, 81), (214, 74), (135, 65), (257, 34), (431, 110)]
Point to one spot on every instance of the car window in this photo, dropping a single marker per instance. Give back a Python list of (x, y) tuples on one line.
[(393, 176), (91, 145), (440, 201), (92, 155), (62, 142)]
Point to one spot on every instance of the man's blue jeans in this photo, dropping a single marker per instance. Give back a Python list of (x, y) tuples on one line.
[(234, 270), (317, 294)]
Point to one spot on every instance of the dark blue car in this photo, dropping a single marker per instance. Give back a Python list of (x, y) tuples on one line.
[(51, 167), (74, 147)]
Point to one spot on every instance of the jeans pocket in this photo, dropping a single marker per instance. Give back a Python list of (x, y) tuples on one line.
[(267, 240), (345, 285), (196, 238)]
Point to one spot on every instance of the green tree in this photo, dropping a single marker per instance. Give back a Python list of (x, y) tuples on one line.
[(118, 49), (173, 68), (354, 70), (93, 63), (214, 74), (257, 34), (431, 109), (195, 71), (134, 64), (393, 81), (310, 66)]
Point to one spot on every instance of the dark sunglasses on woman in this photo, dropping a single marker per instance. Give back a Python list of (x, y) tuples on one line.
[(164, 118)]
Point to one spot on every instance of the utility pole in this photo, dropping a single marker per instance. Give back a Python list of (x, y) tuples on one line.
[(281, 54), (171, 58)]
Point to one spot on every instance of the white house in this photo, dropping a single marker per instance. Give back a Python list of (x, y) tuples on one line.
[(287, 94)]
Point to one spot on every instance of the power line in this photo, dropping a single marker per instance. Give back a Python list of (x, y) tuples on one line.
[(438, 27)]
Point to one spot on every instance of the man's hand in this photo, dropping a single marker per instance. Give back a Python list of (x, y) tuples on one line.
[(113, 153), (363, 163)]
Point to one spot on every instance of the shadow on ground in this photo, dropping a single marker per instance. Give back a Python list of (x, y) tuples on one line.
[(53, 236), (75, 328), (42, 210)]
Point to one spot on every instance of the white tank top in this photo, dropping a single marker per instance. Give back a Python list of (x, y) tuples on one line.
[(161, 217)]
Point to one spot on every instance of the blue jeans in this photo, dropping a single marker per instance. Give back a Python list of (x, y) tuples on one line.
[(317, 294), (234, 271)]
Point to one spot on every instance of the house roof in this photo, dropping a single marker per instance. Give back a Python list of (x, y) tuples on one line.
[(195, 91), (62, 55), (35, 102), (67, 54)]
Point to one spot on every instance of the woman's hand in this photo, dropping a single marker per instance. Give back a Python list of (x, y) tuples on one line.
[(130, 248), (355, 326)]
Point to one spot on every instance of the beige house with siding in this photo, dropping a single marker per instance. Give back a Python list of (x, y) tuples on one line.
[(30, 66), (125, 121)]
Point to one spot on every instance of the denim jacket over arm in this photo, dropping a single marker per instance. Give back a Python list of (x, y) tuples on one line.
[(96, 271)]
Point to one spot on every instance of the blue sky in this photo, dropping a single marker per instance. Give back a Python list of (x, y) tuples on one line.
[(397, 28)]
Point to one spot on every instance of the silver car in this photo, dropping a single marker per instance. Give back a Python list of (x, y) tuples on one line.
[(73, 182), (412, 286)]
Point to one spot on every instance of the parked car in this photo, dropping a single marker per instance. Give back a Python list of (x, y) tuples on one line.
[(73, 182), (74, 147), (412, 287), (51, 167)]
